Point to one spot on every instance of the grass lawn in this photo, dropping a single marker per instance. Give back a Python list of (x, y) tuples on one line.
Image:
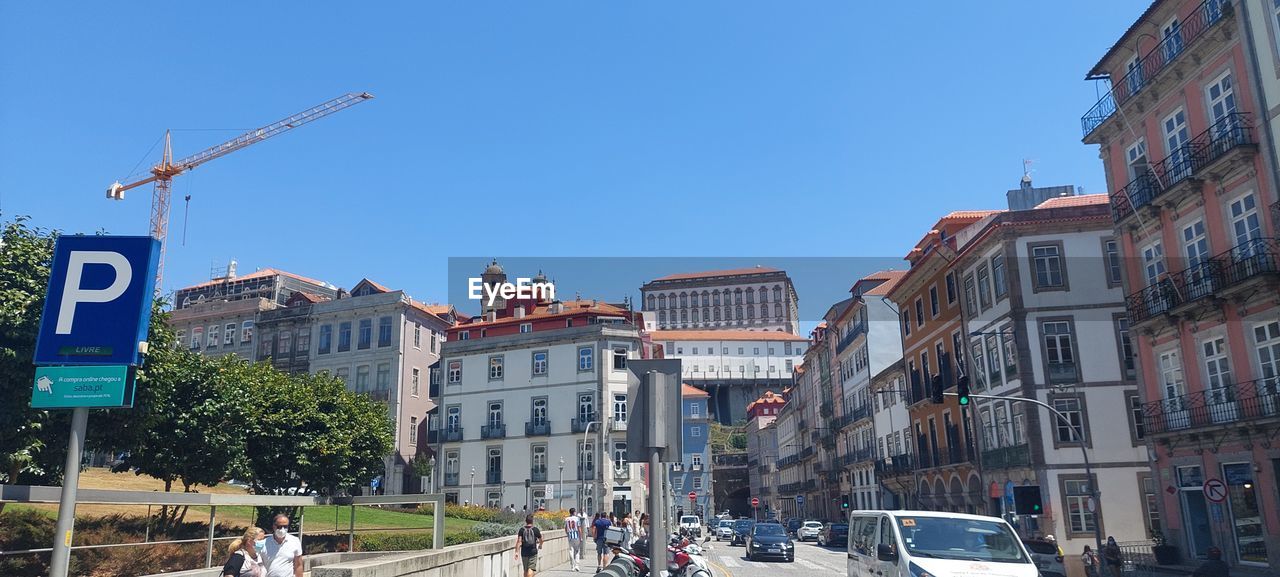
[(320, 519)]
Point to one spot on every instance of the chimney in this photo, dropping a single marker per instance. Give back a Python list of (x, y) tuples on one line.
[(491, 316), (556, 308), (519, 311)]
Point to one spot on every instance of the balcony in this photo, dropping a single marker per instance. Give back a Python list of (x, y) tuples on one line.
[(622, 474), (580, 425), (788, 488), (1007, 457), (616, 425), (586, 473), (806, 453), (538, 475), (1213, 153), (1236, 271), (493, 477), (858, 414), (452, 435), (896, 466), (1151, 73), (1235, 404), (695, 468), (1062, 372), (493, 432), (788, 461), (852, 335), (451, 479), (677, 467), (810, 484), (537, 428)]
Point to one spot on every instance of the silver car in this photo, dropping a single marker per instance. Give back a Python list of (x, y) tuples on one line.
[(724, 530), (809, 530)]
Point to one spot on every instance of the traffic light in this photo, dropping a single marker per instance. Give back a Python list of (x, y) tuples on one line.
[(844, 502), (935, 389), (962, 389), (1026, 500)]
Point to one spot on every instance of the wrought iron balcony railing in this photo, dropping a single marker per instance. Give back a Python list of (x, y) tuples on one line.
[(1167, 51), (851, 336), (806, 452), (451, 479), (1233, 403), (896, 466), (1007, 457), (537, 428), (1223, 272), (580, 425), (623, 473), (452, 435), (538, 475), (586, 473), (493, 431), (493, 477), (788, 488), (810, 484)]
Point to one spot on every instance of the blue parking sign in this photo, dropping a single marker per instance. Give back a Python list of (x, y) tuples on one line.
[(98, 305)]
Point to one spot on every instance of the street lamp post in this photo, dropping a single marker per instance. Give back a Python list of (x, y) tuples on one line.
[(560, 489), (582, 459), (473, 485), (431, 466)]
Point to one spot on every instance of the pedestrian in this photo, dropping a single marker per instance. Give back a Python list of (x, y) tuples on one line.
[(528, 543), (1090, 562), (283, 551), (1111, 553), (573, 532), (246, 555), (642, 531), (598, 529), (1214, 567), (625, 523)]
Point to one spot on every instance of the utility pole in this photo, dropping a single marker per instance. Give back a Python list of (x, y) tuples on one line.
[(655, 442)]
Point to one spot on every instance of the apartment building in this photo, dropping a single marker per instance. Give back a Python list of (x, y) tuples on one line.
[(274, 285), (759, 298), (762, 446), (1044, 319), (692, 475), (733, 366), (892, 428), (1187, 138), (216, 327)]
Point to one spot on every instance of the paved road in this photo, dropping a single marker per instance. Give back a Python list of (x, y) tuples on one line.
[(729, 562)]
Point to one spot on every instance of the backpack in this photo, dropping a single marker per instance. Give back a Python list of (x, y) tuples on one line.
[(528, 537)]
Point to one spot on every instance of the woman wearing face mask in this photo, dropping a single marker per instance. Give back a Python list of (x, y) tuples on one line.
[(246, 555)]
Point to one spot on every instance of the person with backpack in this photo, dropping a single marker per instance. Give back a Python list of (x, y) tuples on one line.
[(1111, 553), (573, 532), (1090, 562), (599, 528), (528, 543)]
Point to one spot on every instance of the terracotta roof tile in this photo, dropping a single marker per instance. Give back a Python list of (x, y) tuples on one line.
[(543, 311), (257, 274), (1078, 200), (725, 335), (711, 273), (890, 278), (687, 390)]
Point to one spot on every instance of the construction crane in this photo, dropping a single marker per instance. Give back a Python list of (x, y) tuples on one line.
[(162, 174)]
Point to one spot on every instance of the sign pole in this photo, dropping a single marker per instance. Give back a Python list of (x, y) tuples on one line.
[(655, 397), (67, 504)]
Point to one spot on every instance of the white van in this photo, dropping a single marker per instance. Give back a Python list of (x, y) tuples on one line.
[(931, 543)]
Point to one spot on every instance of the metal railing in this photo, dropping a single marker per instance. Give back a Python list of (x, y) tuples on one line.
[(493, 431), (789, 488), (586, 473), (538, 475), (1223, 406), (1007, 457), (732, 460), (848, 339), (1206, 279), (616, 425), (622, 474), (51, 495), (806, 452), (537, 428), (493, 477), (451, 479), (896, 466), (452, 435), (1189, 30), (580, 425), (1226, 134)]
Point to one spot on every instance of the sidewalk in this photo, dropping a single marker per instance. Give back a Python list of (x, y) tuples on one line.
[(565, 571)]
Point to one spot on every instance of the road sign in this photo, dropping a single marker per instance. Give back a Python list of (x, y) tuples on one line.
[(1215, 490), (799, 499), (755, 502), (70, 387), (693, 496), (1093, 505), (550, 491), (98, 304)]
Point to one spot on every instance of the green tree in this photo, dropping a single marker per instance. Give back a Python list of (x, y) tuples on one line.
[(29, 438)]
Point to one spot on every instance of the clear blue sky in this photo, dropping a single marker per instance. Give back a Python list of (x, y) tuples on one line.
[(589, 128)]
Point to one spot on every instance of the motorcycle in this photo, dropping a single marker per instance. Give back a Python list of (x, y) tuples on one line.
[(684, 558)]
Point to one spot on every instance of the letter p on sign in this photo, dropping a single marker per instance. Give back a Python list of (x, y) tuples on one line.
[(73, 293), (98, 306)]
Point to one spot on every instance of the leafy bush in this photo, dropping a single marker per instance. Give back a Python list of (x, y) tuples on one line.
[(25, 529), (461, 537), (393, 541), (474, 513), (492, 530)]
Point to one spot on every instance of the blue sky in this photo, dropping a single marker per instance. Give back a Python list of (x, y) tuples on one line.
[(735, 128)]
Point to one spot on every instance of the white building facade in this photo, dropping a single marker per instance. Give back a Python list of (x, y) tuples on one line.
[(735, 367), (759, 298)]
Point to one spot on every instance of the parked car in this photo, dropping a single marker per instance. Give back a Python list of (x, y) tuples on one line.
[(741, 528), (724, 530), (793, 524), (1047, 556), (809, 530), (770, 540), (833, 535), (691, 525)]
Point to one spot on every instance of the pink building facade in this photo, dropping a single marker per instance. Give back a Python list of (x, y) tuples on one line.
[(1186, 143)]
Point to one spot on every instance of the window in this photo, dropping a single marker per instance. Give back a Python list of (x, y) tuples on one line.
[(215, 336), (786, 349), (362, 378), (413, 430), (1070, 408), (417, 336), (1245, 225), (455, 372), (539, 460), (993, 360), (696, 459), (933, 301), (464, 336), (620, 408), (755, 351), (286, 343), (586, 409), (1176, 135), (790, 365), (1059, 356), (495, 368), (540, 411), (180, 338), (384, 332), (434, 342), (229, 334), (540, 362), (619, 456), (414, 381), (998, 276), (453, 418), (344, 336), (1047, 264), (384, 376), (365, 338), (1266, 340), (694, 431), (1075, 494), (1010, 352), (979, 365), (919, 312), (1136, 426), (906, 322), (526, 327), (197, 337), (697, 483), (1222, 106), (343, 374), (494, 464), (585, 359), (1150, 506), (777, 293), (246, 332), (695, 410), (970, 295), (1218, 370), (1111, 252), (951, 288), (677, 484), (619, 358), (495, 414), (326, 340), (984, 287), (1171, 378)]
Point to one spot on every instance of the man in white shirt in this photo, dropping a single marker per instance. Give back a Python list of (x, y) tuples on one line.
[(573, 532), (284, 551)]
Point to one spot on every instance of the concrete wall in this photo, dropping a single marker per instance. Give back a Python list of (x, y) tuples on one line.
[(492, 558)]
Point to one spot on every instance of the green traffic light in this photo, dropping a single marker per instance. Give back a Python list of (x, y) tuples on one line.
[(964, 400)]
